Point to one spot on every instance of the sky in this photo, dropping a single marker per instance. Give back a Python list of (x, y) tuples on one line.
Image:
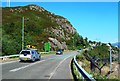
[(98, 21)]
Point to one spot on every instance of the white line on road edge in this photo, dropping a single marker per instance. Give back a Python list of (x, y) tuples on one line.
[(1, 63), (57, 67), (16, 69), (70, 70), (8, 62)]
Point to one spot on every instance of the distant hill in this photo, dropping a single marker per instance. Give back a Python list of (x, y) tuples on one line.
[(41, 26), (117, 44)]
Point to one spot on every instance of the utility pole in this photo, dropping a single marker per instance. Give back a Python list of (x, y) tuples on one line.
[(55, 42), (110, 58), (23, 33), (110, 52), (8, 3), (73, 42)]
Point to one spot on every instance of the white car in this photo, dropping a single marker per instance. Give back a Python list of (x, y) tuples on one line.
[(31, 55)]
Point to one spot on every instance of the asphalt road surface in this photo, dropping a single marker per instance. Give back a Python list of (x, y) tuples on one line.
[(49, 67)]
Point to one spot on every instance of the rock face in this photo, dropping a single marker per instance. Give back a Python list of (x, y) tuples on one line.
[(40, 26), (56, 44)]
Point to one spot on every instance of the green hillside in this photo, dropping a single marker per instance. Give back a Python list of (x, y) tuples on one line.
[(40, 24)]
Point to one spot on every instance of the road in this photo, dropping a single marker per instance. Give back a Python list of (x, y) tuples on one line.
[(49, 67)]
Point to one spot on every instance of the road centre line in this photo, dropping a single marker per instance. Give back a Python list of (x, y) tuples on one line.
[(16, 69)]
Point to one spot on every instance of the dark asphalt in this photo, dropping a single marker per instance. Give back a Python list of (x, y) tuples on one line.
[(50, 67)]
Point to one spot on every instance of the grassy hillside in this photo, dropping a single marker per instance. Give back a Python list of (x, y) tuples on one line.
[(40, 24)]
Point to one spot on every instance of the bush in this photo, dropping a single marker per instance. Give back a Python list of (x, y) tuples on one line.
[(100, 52)]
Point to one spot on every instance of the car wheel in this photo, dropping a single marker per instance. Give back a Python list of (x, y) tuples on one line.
[(33, 59), (39, 58), (21, 61)]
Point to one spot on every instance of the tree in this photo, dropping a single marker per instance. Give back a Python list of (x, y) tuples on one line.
[(90, 42), (110, 44), (86, 39)]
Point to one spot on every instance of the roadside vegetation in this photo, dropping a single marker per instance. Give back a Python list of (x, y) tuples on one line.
[(101, 54), (49, 53)]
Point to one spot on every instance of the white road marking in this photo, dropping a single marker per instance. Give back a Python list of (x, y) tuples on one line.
[(8, 62), (16, 69), (1, 63), (57, 67)]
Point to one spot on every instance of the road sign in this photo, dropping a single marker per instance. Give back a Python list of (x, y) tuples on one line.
[(47, 47), (30, 46)]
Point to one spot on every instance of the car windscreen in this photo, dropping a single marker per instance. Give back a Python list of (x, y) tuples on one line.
[(25, 52)]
